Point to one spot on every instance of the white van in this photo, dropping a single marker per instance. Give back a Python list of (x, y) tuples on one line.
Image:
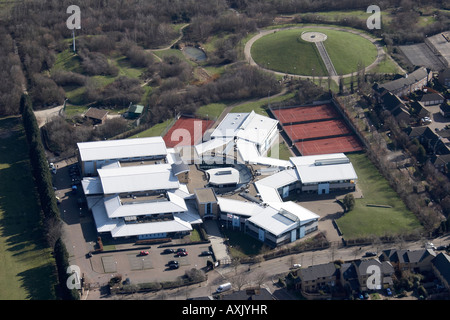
[(224, 287)]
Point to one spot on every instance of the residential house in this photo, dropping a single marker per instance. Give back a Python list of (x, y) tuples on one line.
[(392, 103), (444, 77), (349, 277), (318, 277), (441, 162), (432, 98), (441, 268), (404, 86), (444, 109), (433, 143), (417, 108), (364, 272), (97, 116), (411, 260)]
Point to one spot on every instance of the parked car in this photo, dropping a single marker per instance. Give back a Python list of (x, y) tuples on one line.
[(167, 251), (206, 253), (174, 266), (143, 253), (370, 254), (296, 265), (181, 253), (223, 287), (181, 250), (172, 262)]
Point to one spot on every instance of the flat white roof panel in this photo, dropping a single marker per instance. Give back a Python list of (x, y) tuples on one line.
[(242, 208), (324, 168), (120, 149), (138, 178), (136, 229), (220, 176)]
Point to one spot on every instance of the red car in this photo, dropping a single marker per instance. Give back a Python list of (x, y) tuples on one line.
[(143, 253), (182, 253)]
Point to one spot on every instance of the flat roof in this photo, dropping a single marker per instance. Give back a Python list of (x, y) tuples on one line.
[(205, 195), (122, 149), (138, 178), (251, 126), (243, 208), (116, 209), (220, 176), (324, 168), (281, 217)]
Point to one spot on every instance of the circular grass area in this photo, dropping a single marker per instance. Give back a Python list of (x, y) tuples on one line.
[(285, 51)]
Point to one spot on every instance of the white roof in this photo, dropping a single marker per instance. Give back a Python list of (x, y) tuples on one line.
[(238, 207), (92, 186), (212, 145), (116, 209), (324, 168), (135, 229), (219, 176), (120, 149), (303, 214), (282, 217), (251, 126), (247, 151), (267, 187), (138, 178), (256, 128), (229, 125)]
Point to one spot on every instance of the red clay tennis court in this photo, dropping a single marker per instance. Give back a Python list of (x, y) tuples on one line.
[(304, 114), (326, 146), (186, 132), (318, 129)]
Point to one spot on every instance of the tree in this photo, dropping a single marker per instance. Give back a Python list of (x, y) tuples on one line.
[(348, 202)]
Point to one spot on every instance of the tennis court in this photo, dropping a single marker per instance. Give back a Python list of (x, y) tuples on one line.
[(305, 114), (186, 132), (314, 130), (332, 145)]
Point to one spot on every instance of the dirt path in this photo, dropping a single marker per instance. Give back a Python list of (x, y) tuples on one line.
[(42, 116)]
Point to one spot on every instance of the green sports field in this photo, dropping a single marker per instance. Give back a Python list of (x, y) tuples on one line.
[(365, 221), (285, 51), (27, 269)]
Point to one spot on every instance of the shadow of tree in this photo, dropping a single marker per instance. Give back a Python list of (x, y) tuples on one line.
[(40, 282)]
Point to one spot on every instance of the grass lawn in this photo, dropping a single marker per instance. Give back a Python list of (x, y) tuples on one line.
[(211, 111), (154, 131), (284, 51), (260, 105), (364, 221), (26, 265), (242, 245)]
